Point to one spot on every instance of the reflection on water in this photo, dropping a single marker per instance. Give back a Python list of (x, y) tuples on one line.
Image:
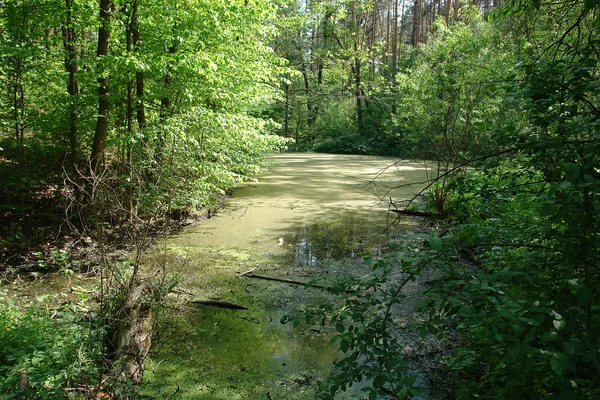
[(346, 236), (305, 212)]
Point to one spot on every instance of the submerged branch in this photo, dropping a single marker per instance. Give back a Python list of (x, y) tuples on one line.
[(250, 274), (219, 303)]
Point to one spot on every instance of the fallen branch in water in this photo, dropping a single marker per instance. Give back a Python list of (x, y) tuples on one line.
[(220, 304), (414, 213), (250, 274)]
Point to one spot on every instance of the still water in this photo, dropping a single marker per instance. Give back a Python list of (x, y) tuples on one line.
[(309, 215)]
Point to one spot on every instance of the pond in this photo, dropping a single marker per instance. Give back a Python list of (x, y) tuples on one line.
[(309, 215)]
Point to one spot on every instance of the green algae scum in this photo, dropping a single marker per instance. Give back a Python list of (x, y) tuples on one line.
[(311, 215)]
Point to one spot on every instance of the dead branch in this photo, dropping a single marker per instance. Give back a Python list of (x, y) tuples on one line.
[(248, 272), (282, 280), (414, 213), (219, 303)]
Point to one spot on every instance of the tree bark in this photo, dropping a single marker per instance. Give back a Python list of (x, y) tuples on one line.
[(417, 22), (139, 75), (447, 12), (131, 332), (286, 126), (394, 56), (72, 67), (310, 120), (359, 94), (456, 7), (101, 132)]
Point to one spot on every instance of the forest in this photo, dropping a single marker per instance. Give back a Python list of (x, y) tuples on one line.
[(123, 120)]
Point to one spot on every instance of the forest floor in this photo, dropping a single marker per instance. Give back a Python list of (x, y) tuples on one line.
[(38, 237)]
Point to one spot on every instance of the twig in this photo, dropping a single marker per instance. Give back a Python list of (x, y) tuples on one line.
[(248, 272)]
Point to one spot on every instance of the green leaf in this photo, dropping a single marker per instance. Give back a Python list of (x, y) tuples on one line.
[(569, 348), (409, 381), (584, 294), (506, 314), (573, 285), (436, 244), (559, 325), (466, 311), (529, 321), (344, 345), (379, 381), (556, 366)]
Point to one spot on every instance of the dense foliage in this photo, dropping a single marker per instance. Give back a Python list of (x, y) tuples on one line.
[(155, 98), (49, 350), (506, 105), (117, 113), (116, 116)]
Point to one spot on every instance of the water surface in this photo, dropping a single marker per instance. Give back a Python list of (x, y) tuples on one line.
[(309, 215)]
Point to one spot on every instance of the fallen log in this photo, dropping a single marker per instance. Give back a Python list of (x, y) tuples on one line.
[(219, 303)]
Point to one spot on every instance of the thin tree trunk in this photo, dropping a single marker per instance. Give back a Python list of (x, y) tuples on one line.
[(386, 49), (447, 12), (356, 72), (286, 126), (309, 105), (72, 67), (18, 107), (99, 144), (394, 56), (165, 108), (139, 75), (358, 93)]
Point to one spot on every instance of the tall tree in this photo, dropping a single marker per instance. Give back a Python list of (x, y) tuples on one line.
[(101, 132)]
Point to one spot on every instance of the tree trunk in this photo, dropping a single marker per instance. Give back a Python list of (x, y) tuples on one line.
[(129, 333), (394, 56), (447, 12), (139, 75), (388, 26), (310, 120), (72, 67), (286, 126), (358, 93), (99, 144), (165, 107), (417, 23)]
